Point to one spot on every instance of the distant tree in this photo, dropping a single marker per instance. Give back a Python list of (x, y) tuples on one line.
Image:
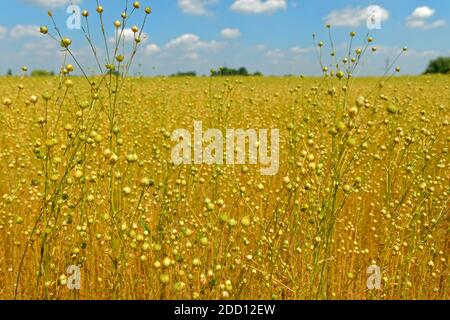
[(42, 73), (242, 71), (439, 65), (258, 74), (225, 71), (9, 72), (184, 74)]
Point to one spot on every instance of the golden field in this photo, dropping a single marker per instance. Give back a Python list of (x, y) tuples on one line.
[(86, 179)]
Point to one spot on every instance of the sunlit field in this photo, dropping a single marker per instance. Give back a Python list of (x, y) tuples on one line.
[(86, 180), (95, 205)]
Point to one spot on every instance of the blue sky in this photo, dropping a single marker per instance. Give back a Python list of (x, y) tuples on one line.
[(272, 36)]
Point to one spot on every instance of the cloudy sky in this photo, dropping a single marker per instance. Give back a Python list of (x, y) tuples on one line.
[(272, 36)]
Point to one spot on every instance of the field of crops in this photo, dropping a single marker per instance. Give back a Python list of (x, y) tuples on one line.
[(86, 180)]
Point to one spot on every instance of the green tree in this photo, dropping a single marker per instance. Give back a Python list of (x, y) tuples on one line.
[(184, 74), (243, 71), (224, 71), (41, 73), (439, 65)]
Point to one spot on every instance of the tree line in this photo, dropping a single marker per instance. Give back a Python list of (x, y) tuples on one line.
[(438, 65), (221, 72)]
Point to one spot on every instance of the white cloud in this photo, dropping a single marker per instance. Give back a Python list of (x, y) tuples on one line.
[(419, 19), (47, 55), (151, 49), (3, 32), (229, 33), (85, 54), (43, 50), (52, 3), (355, 17), (422, 13), (258, 6), (275, 54), (260, 47), (299, 50), (416, 24), (436, 24), (422, 24), (20, 31), (411, 53), (192, 42), (192, 56), (129, 36), (195, 7)]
